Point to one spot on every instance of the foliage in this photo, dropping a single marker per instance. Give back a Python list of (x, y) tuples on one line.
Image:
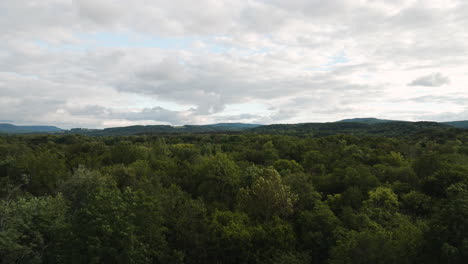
[(284, 194)]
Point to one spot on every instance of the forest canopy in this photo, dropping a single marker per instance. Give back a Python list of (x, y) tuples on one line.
[(234, 198)]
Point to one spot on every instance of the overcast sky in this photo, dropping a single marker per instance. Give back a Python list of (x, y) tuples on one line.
[(103, 63)]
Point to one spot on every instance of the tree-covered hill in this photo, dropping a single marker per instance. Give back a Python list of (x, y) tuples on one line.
[(371, 120), (394, 128), (459, 124), (357, 126), (164, 129), (367, 120), (12, 129)]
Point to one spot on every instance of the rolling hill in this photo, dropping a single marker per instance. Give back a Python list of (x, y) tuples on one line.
[(368, 126), (458, 124), (12, 129), (367, 120), (164, 129), (393, 128)]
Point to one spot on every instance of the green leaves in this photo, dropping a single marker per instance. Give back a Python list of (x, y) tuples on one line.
[(119, 227), (267, 197), (213, 199), (217, 178), (32, 229)]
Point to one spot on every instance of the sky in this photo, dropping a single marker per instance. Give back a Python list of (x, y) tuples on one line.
[(107, 63)]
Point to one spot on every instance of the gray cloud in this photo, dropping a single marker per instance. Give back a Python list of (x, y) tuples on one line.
[(89, 110), (431, 80), (450, 98), (107, 62), (445, 116), (239, 118), (157, 113)]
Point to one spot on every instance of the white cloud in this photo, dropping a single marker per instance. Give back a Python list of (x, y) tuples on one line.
[(105, 62)]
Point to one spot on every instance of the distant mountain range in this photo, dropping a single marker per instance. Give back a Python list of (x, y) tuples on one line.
[(164, 129), (354, 126), (12, 129), (459, 124), (368, 120), (371, 121), (392, 128)]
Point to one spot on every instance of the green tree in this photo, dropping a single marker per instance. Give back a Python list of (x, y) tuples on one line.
[(316, 231), (233, 237), (187, 226), (218, 179), (33, 230), (448, 239), (119, 227), (287, 166), (46, 170), (268, 196)]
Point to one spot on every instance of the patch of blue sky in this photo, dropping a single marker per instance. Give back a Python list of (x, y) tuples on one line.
[(142, 102), (339, 58), (216, 47), (366, 76), (108, 39), (242, 108), (133, 40), (212, 45), (253, 52), (23, 75), (61, 47)]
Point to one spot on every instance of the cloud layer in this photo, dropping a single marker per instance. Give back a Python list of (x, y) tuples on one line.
[(101, 63), (431, 80)]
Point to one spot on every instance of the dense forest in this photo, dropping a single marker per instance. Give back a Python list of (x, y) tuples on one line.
[(285, 196)]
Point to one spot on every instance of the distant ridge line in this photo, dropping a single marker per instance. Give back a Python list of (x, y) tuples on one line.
[(344, 125)]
